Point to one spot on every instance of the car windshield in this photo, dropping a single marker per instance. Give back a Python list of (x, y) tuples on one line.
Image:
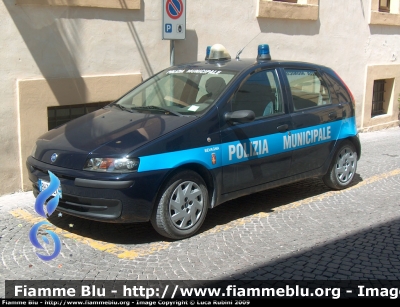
[(177, 92)]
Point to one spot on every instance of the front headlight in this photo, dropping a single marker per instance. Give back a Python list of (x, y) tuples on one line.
[(112, 165)]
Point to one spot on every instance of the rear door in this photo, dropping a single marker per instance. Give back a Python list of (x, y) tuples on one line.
[(316, 119), (252, 152)]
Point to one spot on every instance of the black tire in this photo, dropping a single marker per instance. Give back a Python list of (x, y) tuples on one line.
[(343, 167), (182, 206)]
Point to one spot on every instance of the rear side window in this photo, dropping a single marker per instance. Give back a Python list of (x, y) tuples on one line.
[(308, 89)]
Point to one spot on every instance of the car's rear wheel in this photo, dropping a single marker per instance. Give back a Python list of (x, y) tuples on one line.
[(182, 207), (343, 167)]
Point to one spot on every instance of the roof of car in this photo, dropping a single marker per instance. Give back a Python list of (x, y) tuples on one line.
[(242, 64)]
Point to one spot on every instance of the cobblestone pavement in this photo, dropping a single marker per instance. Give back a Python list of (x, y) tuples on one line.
[(301, 231)]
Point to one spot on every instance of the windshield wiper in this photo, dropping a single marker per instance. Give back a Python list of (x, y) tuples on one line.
[(123, 108), (155, 108)]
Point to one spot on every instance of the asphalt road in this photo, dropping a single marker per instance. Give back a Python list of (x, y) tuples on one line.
[(301, 231)]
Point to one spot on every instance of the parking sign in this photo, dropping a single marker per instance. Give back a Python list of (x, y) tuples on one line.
[(174, 19)]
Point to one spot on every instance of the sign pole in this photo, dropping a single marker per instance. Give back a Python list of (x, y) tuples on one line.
[(172, 52)]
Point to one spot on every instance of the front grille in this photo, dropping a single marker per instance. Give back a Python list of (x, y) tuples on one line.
[(99, 208)]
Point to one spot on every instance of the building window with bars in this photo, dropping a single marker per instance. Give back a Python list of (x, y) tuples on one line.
[(57, 116), (378, 98), (384, 6)]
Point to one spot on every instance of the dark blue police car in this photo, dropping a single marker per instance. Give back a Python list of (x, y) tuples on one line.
[(197, 135)]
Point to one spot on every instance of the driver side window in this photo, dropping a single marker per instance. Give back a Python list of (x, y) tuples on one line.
[(261, 94)]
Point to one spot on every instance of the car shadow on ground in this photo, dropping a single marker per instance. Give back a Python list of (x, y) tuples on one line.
[(369, 255), (361, 259), (266, 202)]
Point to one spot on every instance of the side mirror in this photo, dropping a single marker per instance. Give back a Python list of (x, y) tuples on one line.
[(242, 116)]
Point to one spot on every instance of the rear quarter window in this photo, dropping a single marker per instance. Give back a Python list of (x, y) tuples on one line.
[(339, 89)]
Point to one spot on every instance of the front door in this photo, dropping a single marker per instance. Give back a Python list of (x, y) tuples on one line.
[(251, 152)]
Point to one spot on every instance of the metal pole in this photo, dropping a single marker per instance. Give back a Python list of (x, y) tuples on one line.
[(172, 52)]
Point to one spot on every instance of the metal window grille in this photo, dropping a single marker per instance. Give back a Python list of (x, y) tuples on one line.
[(384, 6), (57, 116), (378, 98)]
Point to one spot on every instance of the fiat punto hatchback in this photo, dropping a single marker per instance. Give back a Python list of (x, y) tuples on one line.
[(197, 135)]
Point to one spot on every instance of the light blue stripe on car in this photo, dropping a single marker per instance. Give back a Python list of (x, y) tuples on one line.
[(241, 151)]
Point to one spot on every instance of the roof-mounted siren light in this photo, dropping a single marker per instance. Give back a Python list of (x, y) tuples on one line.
[(208, 50), (263, 52), (219, 52)]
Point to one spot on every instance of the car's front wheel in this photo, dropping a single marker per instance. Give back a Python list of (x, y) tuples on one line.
[(343, 167), (182, 207)]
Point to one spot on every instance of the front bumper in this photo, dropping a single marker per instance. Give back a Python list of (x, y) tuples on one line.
[(119, 198)]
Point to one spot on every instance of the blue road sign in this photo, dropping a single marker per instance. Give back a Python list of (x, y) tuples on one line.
[(174, 8), (174, 19)]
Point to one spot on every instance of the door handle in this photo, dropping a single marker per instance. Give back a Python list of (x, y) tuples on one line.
[(282, 128), (332, 115)]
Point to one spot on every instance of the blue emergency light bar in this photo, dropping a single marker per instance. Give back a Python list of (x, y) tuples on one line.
[(208, 50), (263, 52)]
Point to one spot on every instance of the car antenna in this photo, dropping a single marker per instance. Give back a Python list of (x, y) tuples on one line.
[(240, 51)]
